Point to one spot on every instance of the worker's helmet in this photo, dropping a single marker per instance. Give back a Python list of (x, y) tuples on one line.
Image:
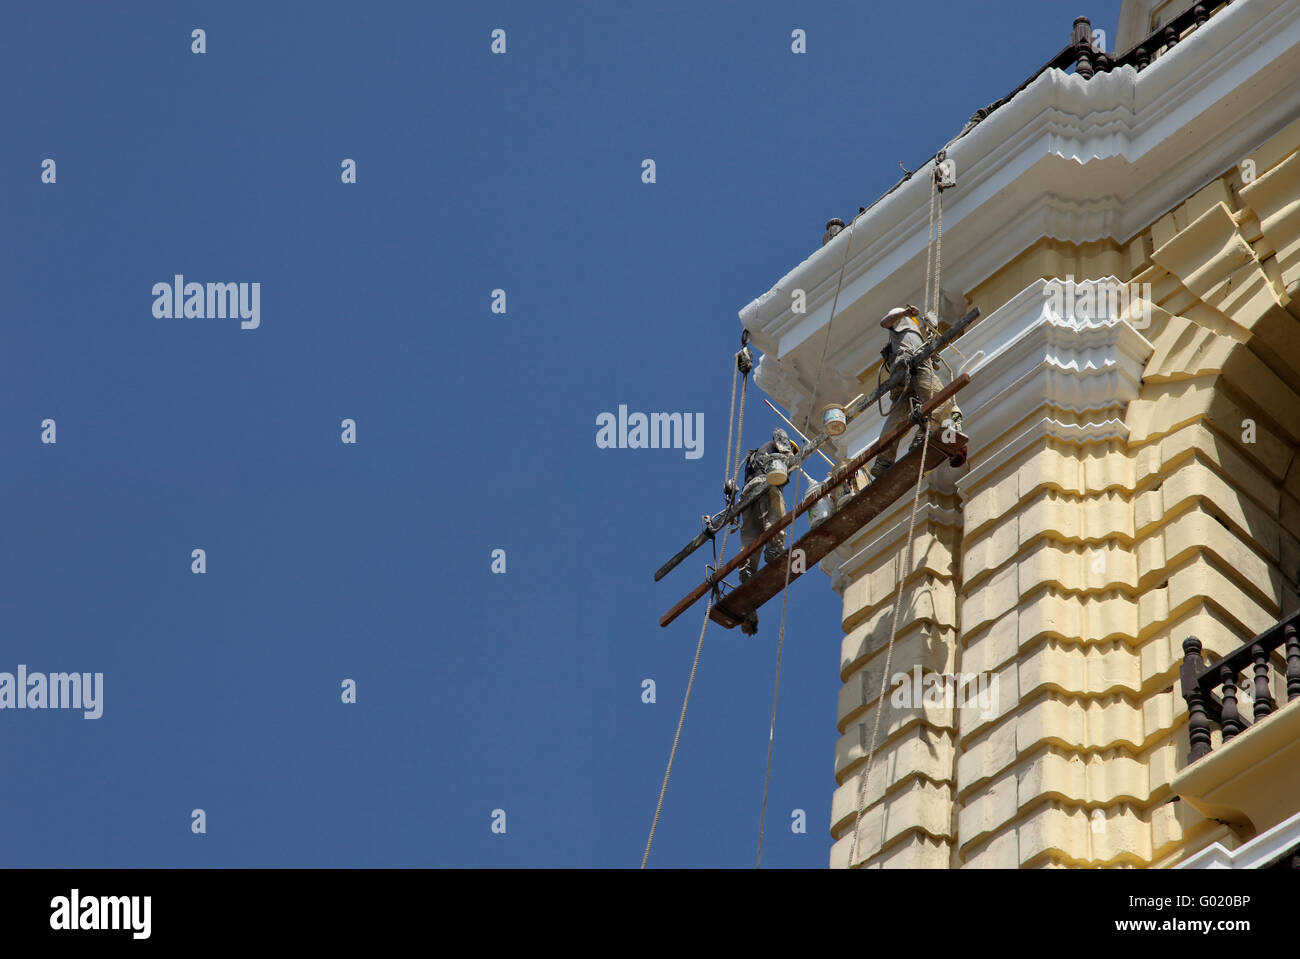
[(781, 440), (896, 314)]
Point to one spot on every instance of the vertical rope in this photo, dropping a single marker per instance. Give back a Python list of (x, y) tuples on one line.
[(889, 650), (731, 421), (708, 608), (789, 558), (776, 686), (929, 243)]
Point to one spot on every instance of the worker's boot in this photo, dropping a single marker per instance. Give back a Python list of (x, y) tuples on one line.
[(750, 624), (956, 423), (880, 467)]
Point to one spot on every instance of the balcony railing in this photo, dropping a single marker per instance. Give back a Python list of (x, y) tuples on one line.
[(1087, 61), (1207, 708)]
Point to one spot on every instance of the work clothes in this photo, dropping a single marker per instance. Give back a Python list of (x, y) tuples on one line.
[(757, 460), (758, 518), (768, 507), (905, 341)]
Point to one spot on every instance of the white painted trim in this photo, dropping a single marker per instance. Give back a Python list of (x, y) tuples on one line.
[(1261, 851), (1073, 159)]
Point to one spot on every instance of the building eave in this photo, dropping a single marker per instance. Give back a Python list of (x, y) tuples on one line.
[(1068, 158)]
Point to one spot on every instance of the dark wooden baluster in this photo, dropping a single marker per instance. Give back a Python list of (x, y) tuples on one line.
[(1230, 720), (1201, 15), (1292, 663), (1143, 58), (1263, 697), (1171, 38), (1082, 39), (1198, 723)]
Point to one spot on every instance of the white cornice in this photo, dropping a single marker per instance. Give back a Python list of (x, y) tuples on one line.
[(1041, 348), (1068, 158), (1261, 851)]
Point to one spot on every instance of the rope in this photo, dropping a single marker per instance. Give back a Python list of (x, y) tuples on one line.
[(740, 426), (889, 650), (826, 340), (789, 557), (938, 252), (935, 240), (929, 242), (731, 421), (776, 686), (708, 608)]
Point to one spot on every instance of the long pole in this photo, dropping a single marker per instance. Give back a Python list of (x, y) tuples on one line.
[(787, 422), (837, 476), (853, 409)]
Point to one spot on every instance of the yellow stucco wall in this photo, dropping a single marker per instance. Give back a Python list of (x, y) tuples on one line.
[(1073, 571)]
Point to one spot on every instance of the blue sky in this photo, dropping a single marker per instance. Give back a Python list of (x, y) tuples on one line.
[(475, 430)]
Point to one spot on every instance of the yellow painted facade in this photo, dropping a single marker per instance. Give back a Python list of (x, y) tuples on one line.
[(1072, 561)]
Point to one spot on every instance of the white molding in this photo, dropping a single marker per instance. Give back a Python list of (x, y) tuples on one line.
[(1261, 851), (1068, 158), (1086, 362)]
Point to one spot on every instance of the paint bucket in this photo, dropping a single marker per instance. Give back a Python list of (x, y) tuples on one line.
[(833, 420), (777, 472), (845, 491), (823, 509)]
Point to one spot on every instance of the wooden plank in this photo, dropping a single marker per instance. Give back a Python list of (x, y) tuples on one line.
[(816, 442), (855, 513), (837, 477)]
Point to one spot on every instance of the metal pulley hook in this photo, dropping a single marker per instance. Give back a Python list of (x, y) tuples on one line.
[(744, 359)]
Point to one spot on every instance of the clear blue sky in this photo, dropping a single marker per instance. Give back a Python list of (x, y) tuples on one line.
[(475, 430)]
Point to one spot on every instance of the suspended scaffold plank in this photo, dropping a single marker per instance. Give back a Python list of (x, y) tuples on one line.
[(851, 516), (855, 407)]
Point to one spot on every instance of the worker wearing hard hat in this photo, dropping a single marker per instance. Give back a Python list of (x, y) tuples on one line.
[(769, 465), (907, 336)]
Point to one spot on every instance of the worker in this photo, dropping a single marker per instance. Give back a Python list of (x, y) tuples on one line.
[(769, 506), (766, 509), (907, 337)]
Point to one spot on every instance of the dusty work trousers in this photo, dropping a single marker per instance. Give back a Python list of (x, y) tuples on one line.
[(924, 385), (759, 516)]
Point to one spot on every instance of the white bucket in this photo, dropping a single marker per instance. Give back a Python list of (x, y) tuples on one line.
[(833, 420), (821, 510), (777, 473)]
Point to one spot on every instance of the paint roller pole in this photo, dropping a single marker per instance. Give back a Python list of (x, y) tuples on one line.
[(796, 433)]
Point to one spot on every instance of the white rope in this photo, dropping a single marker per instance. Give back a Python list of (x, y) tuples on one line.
[(934, 248), (889, 650), (776, 686), (789, 556), (708, 608)]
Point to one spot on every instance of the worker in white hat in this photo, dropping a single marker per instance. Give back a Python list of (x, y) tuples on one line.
[(906, 338)]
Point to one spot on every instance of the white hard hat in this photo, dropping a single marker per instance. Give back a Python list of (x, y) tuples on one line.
[(896, 314)]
